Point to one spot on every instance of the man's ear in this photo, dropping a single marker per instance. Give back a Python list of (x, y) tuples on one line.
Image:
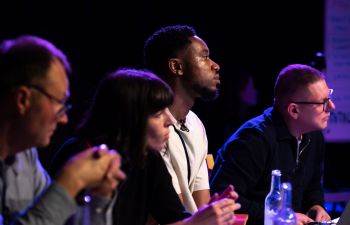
[(175, 66), (22, 97), (293, 110)]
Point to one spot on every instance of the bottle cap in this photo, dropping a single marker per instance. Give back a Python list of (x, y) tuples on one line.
[(287, 186), (276, 172)]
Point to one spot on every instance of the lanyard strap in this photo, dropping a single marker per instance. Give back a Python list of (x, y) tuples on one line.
[(186, 153)]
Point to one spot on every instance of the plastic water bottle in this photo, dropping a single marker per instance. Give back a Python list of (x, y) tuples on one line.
[(285, 214), (273, 198)]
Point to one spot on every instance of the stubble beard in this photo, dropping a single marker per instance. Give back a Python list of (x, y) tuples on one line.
[(205, 93)]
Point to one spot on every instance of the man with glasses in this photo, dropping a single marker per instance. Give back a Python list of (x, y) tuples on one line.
[(65, 107), (325, 101), (34, 89), (287, 137)]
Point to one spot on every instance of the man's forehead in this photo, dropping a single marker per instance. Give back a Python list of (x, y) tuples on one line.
[(198, 45), (57, 78), (318, 89)]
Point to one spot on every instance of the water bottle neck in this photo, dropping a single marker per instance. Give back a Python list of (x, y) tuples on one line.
[(286, 198), (275, 183)]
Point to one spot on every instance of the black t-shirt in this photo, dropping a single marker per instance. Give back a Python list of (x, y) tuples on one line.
[(146, 191)]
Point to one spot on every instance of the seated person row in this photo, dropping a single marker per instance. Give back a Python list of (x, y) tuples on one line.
[(287, 137), (32, 69), (129, 113)]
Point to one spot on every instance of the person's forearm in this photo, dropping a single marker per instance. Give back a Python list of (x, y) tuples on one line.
[(201, 197), (53, 207)]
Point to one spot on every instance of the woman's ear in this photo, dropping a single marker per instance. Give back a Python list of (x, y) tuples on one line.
[(22, 97), (175, 66)]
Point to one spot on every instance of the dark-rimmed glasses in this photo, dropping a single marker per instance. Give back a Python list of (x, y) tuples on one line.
[(65, 106), (324, 103)]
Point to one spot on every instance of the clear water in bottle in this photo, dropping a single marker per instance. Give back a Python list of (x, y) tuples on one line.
[(285, 214), (273, 198)]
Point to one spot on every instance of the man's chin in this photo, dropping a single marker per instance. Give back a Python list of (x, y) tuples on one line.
[(324, 125), (43, 143), (209, 95)]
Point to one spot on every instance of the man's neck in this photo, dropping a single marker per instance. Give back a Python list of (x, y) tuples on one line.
[(294, 129), (4, 147), (181, 106), (10, 140)]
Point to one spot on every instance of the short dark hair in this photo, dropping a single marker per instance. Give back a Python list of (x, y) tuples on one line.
[(26, 59), (119, 113), (165, 44), (293, 78)]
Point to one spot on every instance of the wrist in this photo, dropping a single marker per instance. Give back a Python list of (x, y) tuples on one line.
[(72, 185)]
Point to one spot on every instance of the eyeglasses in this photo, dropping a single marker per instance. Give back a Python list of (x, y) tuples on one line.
[(65, 106), (325, 102)]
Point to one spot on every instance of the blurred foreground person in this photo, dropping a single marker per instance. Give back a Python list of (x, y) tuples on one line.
[(34, 89)]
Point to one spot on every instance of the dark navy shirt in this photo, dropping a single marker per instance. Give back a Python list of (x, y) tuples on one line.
[(261, 145)]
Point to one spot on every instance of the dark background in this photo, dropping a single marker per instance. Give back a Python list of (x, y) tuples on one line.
[(101, 36)]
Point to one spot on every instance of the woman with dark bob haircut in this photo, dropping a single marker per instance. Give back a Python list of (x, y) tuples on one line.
[(129, 113)]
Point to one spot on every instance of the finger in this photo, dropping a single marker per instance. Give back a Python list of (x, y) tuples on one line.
[(114, 172), (216, 208), (233, 195), (113, 177), (111, 184), (227, 218), (223, 203), (328, 218), (228, 210), (100, 151), (121, 175), (104, 163), (214, 198), (237, 206), (118, 156), (226, 192), (319, 217), (325, 218), (307, 219)]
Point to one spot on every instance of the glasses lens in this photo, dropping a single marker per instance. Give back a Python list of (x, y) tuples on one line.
[(326, 101), (330, 92), (325, 104), (65, 108)]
